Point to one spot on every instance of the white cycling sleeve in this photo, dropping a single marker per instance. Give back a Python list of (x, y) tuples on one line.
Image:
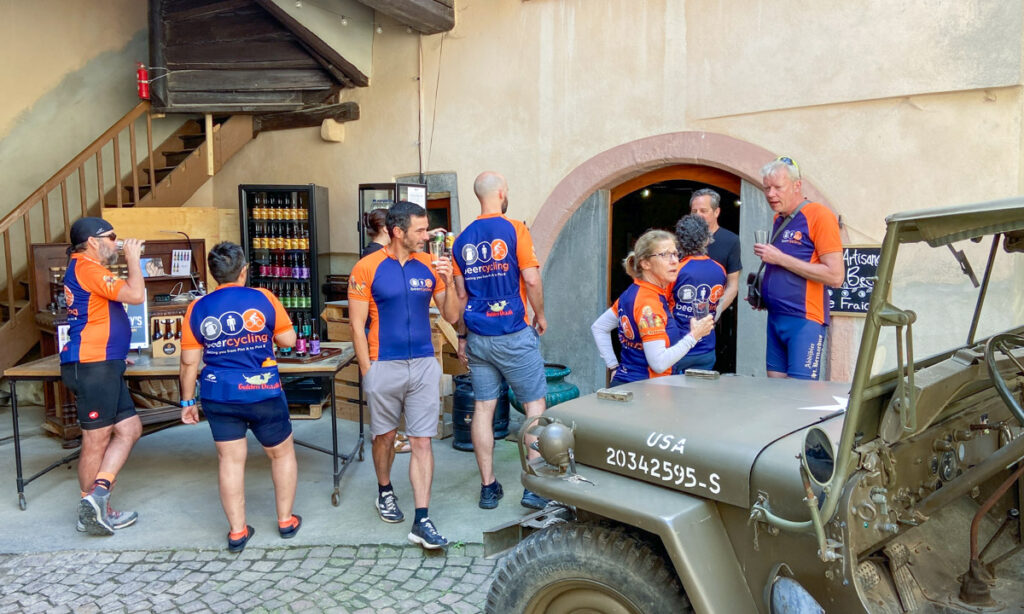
[(600, 329), (661, 358)]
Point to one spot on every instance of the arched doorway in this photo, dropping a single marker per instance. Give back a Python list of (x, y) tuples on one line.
[(657, 199), (571, 234)]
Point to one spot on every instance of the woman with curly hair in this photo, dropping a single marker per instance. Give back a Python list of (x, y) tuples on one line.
[(698, 286)]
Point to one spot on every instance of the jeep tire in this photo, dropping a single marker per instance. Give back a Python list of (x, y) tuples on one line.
[(585, 567)]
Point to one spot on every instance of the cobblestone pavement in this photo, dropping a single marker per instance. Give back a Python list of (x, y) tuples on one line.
[(371, 579)]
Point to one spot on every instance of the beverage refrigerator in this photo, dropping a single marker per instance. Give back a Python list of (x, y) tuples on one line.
[(285, 232)]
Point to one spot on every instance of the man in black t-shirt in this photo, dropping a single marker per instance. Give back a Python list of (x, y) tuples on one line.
[(725, 246)]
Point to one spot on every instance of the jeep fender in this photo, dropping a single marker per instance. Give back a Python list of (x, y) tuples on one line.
[(689, 527)]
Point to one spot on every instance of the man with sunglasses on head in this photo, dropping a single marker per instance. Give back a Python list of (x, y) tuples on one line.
[(803, 255), (92, 366)]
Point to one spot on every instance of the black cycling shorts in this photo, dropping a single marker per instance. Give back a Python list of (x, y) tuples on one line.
[(101, 393), (268, 420)]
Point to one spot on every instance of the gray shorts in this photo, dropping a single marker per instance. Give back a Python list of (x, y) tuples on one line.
[(412, 385), (514, 357)]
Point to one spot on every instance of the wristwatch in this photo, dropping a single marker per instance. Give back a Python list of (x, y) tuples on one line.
[(188, 403)]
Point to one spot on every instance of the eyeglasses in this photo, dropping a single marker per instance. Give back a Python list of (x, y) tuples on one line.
[(667, 255), (112, 236)]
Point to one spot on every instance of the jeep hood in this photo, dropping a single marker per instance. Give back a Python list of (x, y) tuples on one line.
[(696, 435)]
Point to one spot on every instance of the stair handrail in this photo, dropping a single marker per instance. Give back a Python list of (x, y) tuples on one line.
[(77, 162)]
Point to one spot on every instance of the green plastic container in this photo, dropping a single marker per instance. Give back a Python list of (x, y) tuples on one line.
[(559, 390)]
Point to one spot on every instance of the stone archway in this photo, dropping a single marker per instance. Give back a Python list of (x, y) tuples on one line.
[(623, 162), (578, 207)]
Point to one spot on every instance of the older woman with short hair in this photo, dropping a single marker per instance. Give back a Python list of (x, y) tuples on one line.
[(650, 339)]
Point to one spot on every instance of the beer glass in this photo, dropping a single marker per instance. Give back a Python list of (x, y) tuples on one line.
[(701, 309), (760, 236)]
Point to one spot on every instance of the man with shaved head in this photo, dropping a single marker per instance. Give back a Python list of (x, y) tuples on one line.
[(496, 274)]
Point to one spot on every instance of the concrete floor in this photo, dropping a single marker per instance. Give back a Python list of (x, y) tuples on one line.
[(171, 480)]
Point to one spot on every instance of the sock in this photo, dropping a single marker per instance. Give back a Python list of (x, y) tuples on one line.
[(385, 488), (491, 485), (83, 493), (291, 522), (235, 536), (421, 514), (104, 479)]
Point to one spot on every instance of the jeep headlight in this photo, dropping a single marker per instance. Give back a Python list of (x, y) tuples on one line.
[(554, 443)]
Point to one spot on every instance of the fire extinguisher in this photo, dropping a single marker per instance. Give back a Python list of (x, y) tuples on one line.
[(142, 75)]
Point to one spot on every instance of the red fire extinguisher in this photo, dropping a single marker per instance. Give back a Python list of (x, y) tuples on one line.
[(142, 75)]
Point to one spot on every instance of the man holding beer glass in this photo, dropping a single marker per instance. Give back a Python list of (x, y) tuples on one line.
[(393, 288), (93, 363)]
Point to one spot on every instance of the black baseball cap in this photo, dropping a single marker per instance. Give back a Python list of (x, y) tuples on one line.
[(89, 227)]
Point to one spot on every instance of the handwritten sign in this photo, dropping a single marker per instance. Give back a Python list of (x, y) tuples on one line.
[(854, 296)]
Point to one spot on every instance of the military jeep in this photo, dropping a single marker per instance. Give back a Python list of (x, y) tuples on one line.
[(898, 492)]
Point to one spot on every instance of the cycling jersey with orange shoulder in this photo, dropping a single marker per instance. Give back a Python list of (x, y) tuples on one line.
[(644, 316), (483, 257), (813, 232), (98, 326), (235, 327), (399, 297)]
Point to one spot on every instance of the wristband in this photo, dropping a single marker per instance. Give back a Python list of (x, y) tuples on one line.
[(461, 336), (188, 403)]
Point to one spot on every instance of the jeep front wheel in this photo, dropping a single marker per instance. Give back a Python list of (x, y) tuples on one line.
[(585, 568)]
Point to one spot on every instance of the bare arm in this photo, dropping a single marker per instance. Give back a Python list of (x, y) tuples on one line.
[(459, 299), (535, 295), (732, 288), (133, 292), (357, 314), (187, 373), (829, 271), (286, 339)]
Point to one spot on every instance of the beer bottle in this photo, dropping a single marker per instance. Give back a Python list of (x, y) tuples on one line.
[(177, 333), (157, 336), (314, 344), (300, 341)]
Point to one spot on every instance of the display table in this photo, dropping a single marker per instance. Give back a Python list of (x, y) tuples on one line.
[(48, 369)]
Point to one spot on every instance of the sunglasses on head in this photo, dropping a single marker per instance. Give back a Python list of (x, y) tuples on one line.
[(789, 162)]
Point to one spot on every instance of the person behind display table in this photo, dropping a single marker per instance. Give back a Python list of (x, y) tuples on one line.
[(376, 224), (700, 282), (233, 330), (648, 333)]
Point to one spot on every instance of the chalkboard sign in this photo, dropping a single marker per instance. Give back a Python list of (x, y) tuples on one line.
[(854, 296)]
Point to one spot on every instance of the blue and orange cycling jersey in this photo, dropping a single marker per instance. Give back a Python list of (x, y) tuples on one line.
[(490, 255), (235, 327), (813, 232), (98, 326), (399, 298), (699, 279), (643, 313)]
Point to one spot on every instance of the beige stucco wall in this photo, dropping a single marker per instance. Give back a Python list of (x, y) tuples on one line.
[(40, 50), (535, 88), (885, 109)]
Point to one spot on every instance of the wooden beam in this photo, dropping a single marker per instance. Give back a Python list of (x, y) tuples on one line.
[(342, 112), (248, 80), (157, 66), (311, 40), (282, 53), (206, 10), (427, 16)]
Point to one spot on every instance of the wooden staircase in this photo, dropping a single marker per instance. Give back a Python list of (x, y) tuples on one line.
[(165, 176), (181, 163)]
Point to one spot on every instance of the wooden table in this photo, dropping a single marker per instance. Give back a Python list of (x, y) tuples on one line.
[(48, 369)]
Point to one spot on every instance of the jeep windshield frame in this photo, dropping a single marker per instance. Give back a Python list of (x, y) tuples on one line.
[(937, 228)]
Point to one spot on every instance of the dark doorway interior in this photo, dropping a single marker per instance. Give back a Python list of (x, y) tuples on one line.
[(660, 205)]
